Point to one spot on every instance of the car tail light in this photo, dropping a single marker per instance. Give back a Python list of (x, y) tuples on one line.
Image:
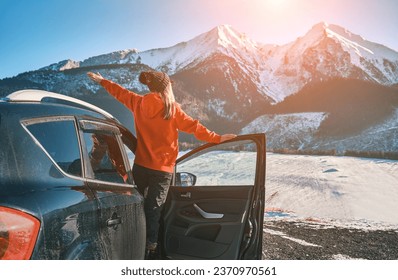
[(18, 234)]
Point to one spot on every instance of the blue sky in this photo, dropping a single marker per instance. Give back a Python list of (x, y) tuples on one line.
[(36, 33)]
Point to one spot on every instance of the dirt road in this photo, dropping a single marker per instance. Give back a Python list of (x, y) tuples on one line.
[(294, 240)]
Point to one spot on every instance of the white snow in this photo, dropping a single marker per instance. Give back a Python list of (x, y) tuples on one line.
[(70, 64), (344, 257), (358, 191), (359, 48), (222, 168), (286, 122)]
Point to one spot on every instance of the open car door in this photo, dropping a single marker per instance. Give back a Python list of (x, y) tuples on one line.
[(215, 206)]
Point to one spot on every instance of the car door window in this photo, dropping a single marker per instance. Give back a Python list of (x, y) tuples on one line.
[(59, 140), (129, 144), (105, 157), (227, 164), (130, 154)]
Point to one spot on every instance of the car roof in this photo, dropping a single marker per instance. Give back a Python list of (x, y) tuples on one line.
[(41, 96)]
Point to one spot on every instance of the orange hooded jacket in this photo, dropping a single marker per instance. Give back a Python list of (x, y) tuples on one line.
[(157, 138)]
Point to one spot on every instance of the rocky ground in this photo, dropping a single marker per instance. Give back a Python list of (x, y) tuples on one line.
[(306, 240)]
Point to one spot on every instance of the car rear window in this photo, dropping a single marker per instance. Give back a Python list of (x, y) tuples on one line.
[(59, 140)]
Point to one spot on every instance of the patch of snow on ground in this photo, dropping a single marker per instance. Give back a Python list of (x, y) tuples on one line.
[(343, 257), (283, 235)]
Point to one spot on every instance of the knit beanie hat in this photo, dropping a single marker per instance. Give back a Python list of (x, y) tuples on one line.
[(156, 81)]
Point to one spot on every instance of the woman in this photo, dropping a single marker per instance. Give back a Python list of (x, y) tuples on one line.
[(158, 118)]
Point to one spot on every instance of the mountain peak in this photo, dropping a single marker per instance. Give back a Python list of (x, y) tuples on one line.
[(320, 26), (226, 36), (62, 65), (325, 29), (319, 30), (323, 25), (225, 30)]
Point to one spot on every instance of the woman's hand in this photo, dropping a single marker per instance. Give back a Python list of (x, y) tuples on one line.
[(96, 77), (227, 137)]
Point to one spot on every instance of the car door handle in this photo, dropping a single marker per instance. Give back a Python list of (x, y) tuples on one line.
[(207, 215), (113, 222), (186, 195)]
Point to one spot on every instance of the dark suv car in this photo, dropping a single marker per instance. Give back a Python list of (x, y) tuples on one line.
[(66, 189)]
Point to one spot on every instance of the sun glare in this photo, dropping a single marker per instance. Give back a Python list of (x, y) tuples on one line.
[(273, 6), (276, 3)]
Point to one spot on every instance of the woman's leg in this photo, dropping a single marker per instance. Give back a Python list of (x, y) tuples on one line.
[(154, 185), (158, 187)]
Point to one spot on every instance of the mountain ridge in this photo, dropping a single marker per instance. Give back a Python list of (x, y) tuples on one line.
[(227, 80), (326, 50)]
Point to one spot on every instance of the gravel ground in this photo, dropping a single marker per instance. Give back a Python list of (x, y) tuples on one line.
[(297, 240)]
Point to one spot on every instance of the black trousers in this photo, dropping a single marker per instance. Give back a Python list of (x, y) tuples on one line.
[(154, 186)]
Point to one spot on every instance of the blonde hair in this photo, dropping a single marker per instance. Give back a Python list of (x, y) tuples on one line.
[(168, 100)]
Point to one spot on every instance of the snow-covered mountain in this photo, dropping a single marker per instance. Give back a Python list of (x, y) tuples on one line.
[(227, 80), (222, 39), (326, 50), (329, 51)]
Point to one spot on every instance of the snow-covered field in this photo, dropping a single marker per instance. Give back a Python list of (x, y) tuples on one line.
[(355, 192), (220, 168)]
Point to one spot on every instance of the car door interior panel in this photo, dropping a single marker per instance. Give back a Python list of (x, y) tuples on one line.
[(192, 235)]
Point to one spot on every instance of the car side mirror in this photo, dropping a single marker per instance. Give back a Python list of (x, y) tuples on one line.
[(185, 179)]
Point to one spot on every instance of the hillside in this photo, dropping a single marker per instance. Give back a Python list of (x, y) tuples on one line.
[(351, 105)]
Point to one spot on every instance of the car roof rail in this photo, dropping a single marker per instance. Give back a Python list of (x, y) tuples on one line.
[(35, 95)]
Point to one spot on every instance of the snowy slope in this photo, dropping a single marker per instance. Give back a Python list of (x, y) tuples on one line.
[(381, 137), (294, 131), (363, 52), (299, 131)]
